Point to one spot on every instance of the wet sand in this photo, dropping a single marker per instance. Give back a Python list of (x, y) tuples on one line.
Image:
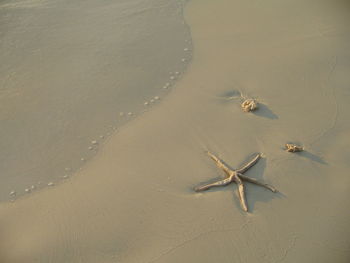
[(71, 72), (135, 202)]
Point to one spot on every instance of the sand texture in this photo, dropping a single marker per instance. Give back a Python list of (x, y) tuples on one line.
[(71, 71), (134, 202)]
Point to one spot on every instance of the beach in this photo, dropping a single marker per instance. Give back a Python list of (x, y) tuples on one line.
[(134, 201), (74, 72)]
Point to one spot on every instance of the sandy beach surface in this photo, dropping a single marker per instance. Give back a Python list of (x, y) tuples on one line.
[(134, 201), (73, 72)]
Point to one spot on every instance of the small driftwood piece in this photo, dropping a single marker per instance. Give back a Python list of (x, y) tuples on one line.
[(237, 177), (249, 105), (290, 147)]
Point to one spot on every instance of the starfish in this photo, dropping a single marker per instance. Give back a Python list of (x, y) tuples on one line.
[(237, 177)]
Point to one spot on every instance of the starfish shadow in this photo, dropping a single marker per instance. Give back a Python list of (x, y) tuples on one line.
[(259, 194)]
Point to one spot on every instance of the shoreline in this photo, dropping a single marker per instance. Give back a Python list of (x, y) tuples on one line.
[(72, 73)]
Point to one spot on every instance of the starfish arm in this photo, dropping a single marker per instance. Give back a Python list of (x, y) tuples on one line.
[(241, 193), (250, 164), (218, 183), (254, 181), (220, 164)]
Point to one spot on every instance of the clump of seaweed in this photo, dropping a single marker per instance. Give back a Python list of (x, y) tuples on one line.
[(249, 105), (291, 147)]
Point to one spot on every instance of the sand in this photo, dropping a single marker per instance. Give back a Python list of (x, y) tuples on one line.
[(68, 69), (134, 202)]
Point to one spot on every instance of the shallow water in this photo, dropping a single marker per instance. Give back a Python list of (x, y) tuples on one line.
[(70, 73)]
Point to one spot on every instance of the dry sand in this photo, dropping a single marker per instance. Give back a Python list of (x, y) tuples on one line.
[(134, 202)]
